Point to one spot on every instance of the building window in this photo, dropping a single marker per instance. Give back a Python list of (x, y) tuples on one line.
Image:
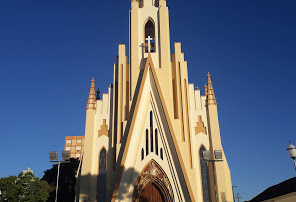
[(68, 141), (78, 148), (151, 131), (77, 155), (149, 36), (156, 142), (68, 148), (142, 154), (79, 141), (147, 143), (161, 154), (101, 179), (204, 176)]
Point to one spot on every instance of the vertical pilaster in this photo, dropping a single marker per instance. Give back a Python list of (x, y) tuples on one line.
[(164, 35), (134, 46), (122, 66), (222, 173), (86, 172)]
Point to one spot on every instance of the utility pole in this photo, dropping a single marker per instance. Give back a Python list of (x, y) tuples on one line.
[(233, 193), (238, 197)]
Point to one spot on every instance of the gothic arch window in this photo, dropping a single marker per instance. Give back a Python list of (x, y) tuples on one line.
[(147, 143), (204, 176), (149, 36), (151, 131), (156, 142), (161, 153), (101, 179)]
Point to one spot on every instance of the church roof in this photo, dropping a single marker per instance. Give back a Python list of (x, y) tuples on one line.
[(283, 188)]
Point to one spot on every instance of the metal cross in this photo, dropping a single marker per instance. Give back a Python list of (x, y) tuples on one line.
[(149, 39)]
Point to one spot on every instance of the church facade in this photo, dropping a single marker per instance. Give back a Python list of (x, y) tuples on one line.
[(146, 138)]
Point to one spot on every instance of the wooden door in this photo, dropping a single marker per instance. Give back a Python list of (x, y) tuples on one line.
[(151, 192)]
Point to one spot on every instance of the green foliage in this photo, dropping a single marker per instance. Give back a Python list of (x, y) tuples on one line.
[(67, 180), (24, 187)]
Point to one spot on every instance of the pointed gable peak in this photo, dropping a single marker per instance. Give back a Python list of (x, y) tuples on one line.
[(91, 102), (149, 61)]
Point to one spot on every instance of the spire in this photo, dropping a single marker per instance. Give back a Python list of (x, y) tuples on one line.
[(211, 99), (206, 90), (91, 102)]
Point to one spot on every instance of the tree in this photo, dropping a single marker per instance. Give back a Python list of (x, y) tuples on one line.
[(67, 180), (24, 187)]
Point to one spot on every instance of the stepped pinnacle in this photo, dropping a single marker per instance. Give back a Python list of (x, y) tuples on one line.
[(91, 102), (211, 99), (206, 90)]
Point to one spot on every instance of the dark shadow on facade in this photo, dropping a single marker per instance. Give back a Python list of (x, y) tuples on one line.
[(122, 194)]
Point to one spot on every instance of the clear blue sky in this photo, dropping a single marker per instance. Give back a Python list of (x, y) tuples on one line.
[(49, 51)]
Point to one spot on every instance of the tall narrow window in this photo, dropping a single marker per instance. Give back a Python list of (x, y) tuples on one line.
[(101, 179), (149, 36), (142, 154), (151, 131), (161, 154), (204, 176), (147, 143), (156, 142)]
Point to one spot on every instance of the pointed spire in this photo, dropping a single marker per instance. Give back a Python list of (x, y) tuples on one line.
[(91, 102), (211, 99), (206, 90)]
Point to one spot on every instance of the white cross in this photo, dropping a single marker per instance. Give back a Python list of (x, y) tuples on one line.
[(149, 39)]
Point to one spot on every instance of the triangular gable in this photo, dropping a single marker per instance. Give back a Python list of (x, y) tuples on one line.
[(171, 138)]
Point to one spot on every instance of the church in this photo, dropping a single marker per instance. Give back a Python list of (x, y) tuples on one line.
[(153, 136)]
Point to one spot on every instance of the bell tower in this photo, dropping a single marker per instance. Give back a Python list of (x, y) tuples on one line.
[(149, 33)]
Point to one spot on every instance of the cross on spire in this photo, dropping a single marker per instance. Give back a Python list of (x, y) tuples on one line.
[(149, 39)]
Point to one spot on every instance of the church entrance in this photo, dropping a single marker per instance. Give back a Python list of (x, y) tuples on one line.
[(151, 192), (153, 185)]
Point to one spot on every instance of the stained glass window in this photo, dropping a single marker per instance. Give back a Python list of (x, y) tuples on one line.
[(101, 184), (204, 176)]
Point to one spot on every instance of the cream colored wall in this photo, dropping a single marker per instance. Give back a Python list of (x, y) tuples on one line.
[(197, 108)]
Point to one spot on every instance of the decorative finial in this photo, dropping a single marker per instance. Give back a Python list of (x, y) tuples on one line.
[(98, 94), (209, 77), (206, 90), (91, 103), (211, 99)]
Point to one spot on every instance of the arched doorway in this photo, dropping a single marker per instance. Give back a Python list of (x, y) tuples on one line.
[(151, 192), (153, 185)]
